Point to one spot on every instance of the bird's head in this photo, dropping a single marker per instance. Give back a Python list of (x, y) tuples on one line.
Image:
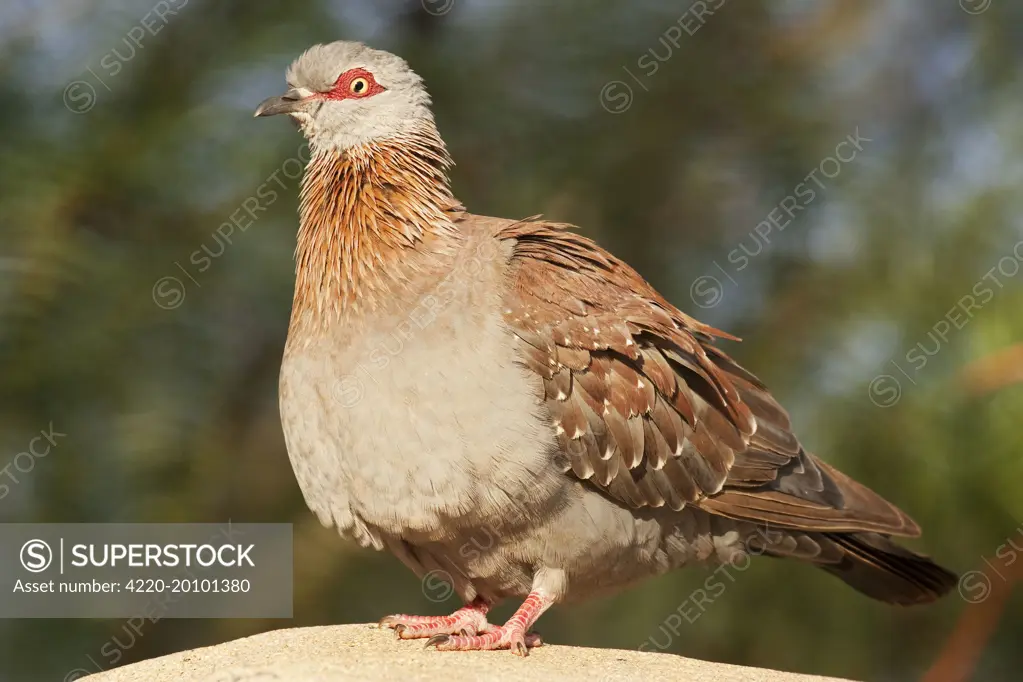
[(345, 95)]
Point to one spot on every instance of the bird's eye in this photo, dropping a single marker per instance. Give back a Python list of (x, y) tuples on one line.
[(359, 86)]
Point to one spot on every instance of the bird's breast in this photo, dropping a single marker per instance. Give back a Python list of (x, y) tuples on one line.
[(418, 422)]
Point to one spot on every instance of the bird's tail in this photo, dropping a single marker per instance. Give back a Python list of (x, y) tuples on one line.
[(874, 565), (818, 514)]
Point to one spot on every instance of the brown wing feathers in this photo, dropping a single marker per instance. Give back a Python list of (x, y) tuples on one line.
[(650, 411), (653, 414), (638, 404)]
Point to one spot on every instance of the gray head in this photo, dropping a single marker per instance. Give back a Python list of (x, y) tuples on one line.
[(345, 94)]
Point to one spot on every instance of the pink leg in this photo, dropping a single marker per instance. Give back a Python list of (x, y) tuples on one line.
[(470, 619), (512, 635)]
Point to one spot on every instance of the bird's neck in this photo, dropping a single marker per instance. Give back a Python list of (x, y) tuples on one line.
[(372, 219)]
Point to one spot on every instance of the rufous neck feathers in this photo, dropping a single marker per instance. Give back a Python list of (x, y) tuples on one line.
[(371, 217)]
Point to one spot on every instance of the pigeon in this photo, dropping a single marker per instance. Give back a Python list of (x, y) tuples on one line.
[(507, 407)]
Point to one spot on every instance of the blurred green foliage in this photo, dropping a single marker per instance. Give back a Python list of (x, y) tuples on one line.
[(126, 141)]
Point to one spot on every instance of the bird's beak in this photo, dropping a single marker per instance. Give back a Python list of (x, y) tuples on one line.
[(288, 103)]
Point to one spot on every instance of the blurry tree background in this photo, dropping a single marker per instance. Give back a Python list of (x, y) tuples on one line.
[(126, 321)]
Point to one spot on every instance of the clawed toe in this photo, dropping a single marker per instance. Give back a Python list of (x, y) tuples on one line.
[(494, 638), (437, 641), (530, 640), (468, 630), (466, 622)]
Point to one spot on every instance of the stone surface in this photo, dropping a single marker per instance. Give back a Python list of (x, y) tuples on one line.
[(365, 653)]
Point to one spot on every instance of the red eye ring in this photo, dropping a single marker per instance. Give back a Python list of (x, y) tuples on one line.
[(355, 84)]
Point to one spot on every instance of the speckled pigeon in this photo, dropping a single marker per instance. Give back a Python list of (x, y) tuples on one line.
[(506, 404)]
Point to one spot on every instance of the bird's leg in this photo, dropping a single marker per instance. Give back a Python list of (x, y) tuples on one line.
[(468, 620), (512, 635)]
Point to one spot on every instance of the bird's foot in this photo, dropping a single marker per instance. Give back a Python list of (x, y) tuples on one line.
[(511, 636), (466, 621)]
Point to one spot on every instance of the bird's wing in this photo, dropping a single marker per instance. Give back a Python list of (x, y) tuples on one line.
[(648, 410)]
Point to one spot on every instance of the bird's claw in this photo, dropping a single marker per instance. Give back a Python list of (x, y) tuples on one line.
[(466, 622), (436, 641), (494, 638)]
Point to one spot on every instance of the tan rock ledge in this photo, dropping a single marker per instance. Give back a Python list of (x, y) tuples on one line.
[(364, 653)]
